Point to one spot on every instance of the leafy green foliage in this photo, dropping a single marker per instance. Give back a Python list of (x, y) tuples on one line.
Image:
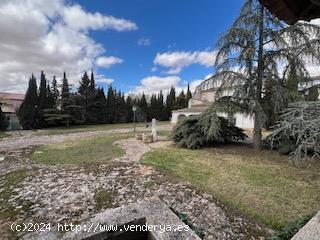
[(288, 231), (206, 129), (298, 131)]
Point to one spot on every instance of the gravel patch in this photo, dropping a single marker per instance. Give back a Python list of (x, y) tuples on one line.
[(66, 193)]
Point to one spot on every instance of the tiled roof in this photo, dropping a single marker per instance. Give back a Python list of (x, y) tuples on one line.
[(291, 11), (12, 96), (192, 109)]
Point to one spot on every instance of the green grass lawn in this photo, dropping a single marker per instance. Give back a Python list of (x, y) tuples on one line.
[(86, 150), (262, 185), (84, 128)]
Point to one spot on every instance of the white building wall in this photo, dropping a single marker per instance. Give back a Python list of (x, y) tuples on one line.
[(244, 121), (176, 115), (241, 120)]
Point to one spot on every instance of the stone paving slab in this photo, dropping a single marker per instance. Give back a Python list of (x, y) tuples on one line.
[(152, 212)]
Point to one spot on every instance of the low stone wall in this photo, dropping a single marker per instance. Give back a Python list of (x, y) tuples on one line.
[(311, 231), (152, 212)]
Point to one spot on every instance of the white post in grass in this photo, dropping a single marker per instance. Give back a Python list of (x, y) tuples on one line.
[(154, 129)]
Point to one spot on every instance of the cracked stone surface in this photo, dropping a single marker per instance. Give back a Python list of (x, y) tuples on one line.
[(66, 193)]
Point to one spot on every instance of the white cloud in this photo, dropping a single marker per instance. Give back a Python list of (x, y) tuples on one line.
[(77, 18), (144, 41), (153, 84), (107, 62), (102, 79), (35, 35), (176, 61)]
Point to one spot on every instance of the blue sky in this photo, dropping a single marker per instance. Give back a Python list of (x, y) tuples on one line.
[(138, 45), (169, 25)]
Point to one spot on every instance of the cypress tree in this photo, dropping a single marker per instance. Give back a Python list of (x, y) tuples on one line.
[(152, 113), (122, 108), (84, 90), (92, 85), (129, 105), (43, 94), (188, 94), (27, 112), (181, 101), (110, 105), (65, 93), (87, 92), (142, 114), (161, 109), (55, 90), (170, 102), (51, 100), (97, 107)]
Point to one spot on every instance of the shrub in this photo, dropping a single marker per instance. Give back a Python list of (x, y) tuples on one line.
[(298, 131), (188, 134), (289, 230), (206, 129)]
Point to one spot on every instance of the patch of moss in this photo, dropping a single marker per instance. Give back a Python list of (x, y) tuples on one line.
[(103, 199), (148, 184)]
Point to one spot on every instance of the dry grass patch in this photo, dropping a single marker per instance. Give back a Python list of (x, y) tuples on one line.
[(99, 149), (262, 185)]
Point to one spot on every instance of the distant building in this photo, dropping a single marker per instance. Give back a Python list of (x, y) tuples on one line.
[(10, 103), (203, 97)]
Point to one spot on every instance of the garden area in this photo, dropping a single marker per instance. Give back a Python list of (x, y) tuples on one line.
[(264, 186), (246, 193), (239, 161)]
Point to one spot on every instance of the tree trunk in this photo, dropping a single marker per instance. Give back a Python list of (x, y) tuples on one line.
[(257, 136)]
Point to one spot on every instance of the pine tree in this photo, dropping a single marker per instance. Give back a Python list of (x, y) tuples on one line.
[(256, 44), (27, 112)]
